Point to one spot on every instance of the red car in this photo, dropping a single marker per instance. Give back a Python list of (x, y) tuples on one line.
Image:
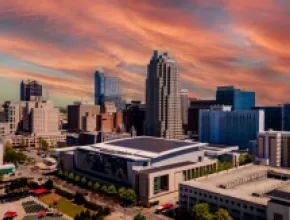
[(164, 207)]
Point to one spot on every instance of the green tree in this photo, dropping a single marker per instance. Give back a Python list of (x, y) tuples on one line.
[(11, 156), (77, 179), (104, 189), (66, 175), (201, 212), (48, 184), (139, 217), (122, 193), (97, 186), (84, 180), (131, 196), (79, 198), (112, 190), (245, 159), (71, 176), (44, 145), (222, 214), (90, 184), (60, 173)]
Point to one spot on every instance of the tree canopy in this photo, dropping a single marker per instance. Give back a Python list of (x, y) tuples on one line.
[(202, 212)]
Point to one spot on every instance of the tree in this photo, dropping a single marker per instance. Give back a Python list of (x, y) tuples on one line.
[(131, 196), (79, 198), (44, 145), (112, 190), (71, 176), (48, 184), (90, 184), (222, 214), (60, 173), (84, 180), (122, 193), (139, 217), (8, 145), (97, 186), (201, 212), (77, 179), (104, 189), (245, 159), (11, 156), (66, 175)]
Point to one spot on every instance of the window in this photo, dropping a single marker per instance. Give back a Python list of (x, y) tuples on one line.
[(245, 206), (278, 216)]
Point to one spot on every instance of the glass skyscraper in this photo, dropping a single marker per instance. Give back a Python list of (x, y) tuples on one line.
[(105, 87), (238, 99)]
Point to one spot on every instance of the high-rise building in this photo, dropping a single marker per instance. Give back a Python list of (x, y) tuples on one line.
[(105, 87), (79, 113), (184, 108), (163, 100), (222, 126), (193, 113), (30, 90), (286, 117), (273, 117), (238, 99)]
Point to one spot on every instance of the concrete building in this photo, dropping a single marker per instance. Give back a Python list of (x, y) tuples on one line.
[(2, 115), (34, 141), (14, 112), (249, 192), (134, 116), (286, 117), (273, 148), (87, 138), (238, 99), (193, 112), (184, 108), (108, 108), (1, 152), (78, 114), (154, 167), (30, 90), (163, 100), (222, 126), (4, 129)]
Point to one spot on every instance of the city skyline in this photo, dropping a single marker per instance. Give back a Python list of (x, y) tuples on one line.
[(60, 44)]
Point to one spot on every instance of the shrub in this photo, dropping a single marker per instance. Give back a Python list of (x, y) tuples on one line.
[(65, 194), (48, 184), (79, 198), (112, 190), (104, 189), (97, 186)]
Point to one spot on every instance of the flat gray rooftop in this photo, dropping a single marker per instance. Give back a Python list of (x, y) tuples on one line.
[(156, 145), (243, 191)]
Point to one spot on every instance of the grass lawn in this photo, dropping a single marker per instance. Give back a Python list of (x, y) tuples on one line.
[(65, 206)]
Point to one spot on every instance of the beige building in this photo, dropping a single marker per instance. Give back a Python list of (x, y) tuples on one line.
[(248, 192), (184, 108), (14, 112), (34, 141), (163, 100), (78, 116), (4, 129), (273, 148), (159, 185)]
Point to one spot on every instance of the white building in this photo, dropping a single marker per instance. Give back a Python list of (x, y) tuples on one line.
[(222, 126)]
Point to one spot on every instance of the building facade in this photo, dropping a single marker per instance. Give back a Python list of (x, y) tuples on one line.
[(134, 116), (80, 113), (222, 126), (273, 148), (238, 99), (286, 117), (105, 87), (184, 108), (193, 113), (163, 100), (30, 91), (273, 117)]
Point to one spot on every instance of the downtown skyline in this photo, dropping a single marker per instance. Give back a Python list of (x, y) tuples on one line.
[(61, 44)]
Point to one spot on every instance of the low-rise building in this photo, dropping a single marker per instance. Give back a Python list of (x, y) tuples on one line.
[(247, 192)]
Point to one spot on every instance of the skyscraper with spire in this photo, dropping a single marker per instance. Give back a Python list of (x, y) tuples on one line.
[(163, 100)]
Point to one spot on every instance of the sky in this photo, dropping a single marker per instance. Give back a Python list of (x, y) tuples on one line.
[(60, 43)]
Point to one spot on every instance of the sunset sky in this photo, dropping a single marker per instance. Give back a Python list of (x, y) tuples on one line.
[(61, 43)]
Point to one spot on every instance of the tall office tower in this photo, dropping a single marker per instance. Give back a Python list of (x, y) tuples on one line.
[(238, 99), (184, 108), (286, 117), (105, 87), (30, 90), (222, 126), (163, 101), (273, 117)]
